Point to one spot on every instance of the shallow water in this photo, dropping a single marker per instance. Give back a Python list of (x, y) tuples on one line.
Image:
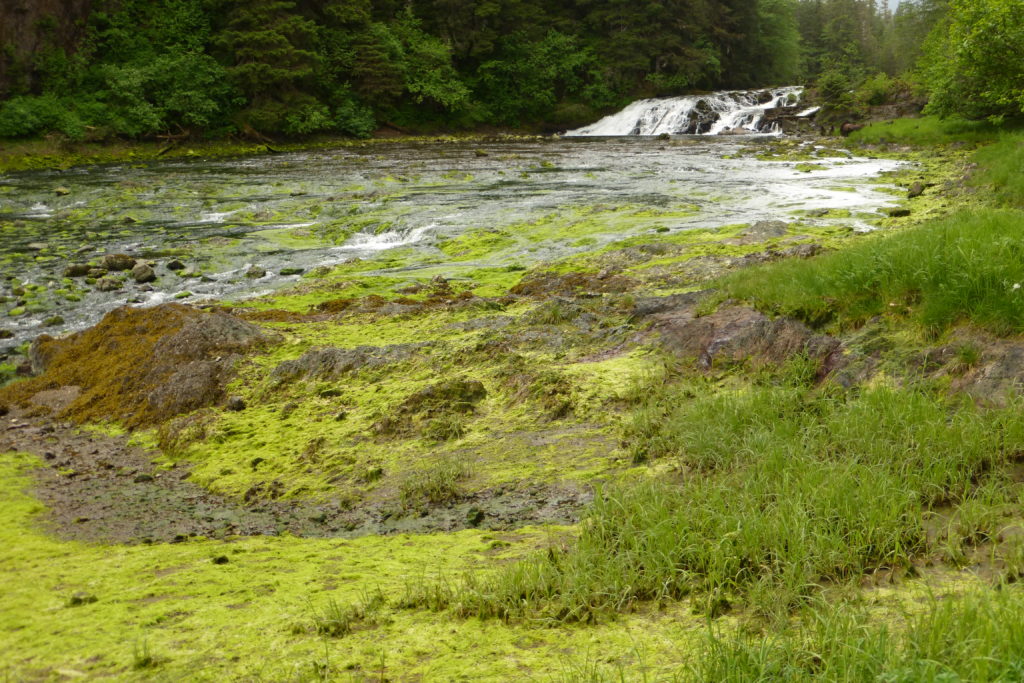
[(308, 209)]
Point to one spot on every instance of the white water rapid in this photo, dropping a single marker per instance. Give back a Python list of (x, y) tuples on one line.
[(728, 112)]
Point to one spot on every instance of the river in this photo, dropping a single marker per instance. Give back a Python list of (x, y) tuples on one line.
[(299, 211)]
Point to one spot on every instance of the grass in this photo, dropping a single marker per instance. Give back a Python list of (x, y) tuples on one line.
[(434, 484), (967, 267), (975, 638), (788, 489), (928, 131), (1001, 170)]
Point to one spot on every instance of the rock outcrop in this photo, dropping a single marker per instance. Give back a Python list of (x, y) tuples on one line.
[(142, 365)]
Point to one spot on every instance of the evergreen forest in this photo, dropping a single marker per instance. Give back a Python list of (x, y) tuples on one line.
[(211, 68)]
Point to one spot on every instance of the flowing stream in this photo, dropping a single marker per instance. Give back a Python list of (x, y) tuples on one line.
[(295, 212)]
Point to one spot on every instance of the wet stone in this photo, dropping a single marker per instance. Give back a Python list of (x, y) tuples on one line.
[(81, 598), (118, 262), (108, 284), (143, 273), (256, 272), (77, 270), (175, 265)]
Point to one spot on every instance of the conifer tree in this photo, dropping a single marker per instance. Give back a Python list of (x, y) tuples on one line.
[(271, 60)]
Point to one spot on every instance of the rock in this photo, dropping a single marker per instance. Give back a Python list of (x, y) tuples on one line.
[(481, 153), (143, 478), (81, 598), (221, 559), (848, 128), (53, 321), (143, 273), (546, 284), (898, 212), (236, 404), (292, 271), (118, 262), (763, 230), (109, 284), (175, 265), (38, 246), (916, 190), (331, 363), (61, 191), (96, 273), (6, 334), (143, 366), (474, 516), (77, 270), (737, 333), (4, 410), (802, 251), (256, 272), (447, 399)]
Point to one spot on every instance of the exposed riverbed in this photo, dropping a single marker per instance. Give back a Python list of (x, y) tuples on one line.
[(292, 213)]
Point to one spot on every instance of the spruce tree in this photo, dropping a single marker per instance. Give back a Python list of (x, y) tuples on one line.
[(268, 45)]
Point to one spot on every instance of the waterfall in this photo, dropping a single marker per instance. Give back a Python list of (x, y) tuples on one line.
[(732, 111)]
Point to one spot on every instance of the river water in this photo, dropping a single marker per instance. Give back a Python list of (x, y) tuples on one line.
[(307, 209)]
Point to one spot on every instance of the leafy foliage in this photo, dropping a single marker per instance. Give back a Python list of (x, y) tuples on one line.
[(973, 65)]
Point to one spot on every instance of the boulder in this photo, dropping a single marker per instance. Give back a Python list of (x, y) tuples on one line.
[(142, 366), (109, 284), (118, 262), (738, 333), (77, 270), (143, 273)]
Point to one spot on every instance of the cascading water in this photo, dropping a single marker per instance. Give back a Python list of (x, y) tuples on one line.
[(728, 112)]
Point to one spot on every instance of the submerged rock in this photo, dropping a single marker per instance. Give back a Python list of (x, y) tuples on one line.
[(256, 272), (143, 273), (175, 265), (118, 262), (77, 270), (109, 284)]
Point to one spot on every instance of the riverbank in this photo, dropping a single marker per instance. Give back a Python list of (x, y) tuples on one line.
[(771, 414)]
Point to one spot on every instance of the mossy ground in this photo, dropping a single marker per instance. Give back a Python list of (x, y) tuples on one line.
[(564, 364)]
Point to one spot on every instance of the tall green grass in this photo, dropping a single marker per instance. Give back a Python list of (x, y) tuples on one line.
[(977, 638), (967, 267), (1001, 170), (786, 489), (928, 131)]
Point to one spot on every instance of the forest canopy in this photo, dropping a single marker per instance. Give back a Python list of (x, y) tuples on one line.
[(295, 67)]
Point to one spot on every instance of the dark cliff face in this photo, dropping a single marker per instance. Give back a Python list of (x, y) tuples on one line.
[(30, 26)]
